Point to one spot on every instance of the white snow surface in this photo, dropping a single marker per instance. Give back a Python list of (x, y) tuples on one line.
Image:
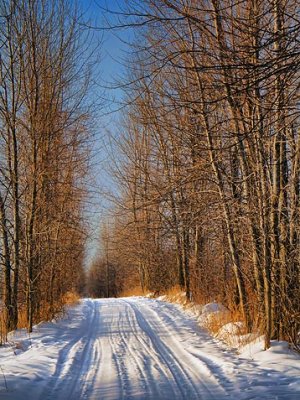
[(213, 307), (139, 348)]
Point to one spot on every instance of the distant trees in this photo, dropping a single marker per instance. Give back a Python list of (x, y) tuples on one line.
[(43, 156), (111, 272), (209, 172)]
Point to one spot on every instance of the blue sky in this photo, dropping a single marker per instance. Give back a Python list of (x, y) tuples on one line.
[(107, 71), (112, 48)]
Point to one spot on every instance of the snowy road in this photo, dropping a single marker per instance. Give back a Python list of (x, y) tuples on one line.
[(133, 348)]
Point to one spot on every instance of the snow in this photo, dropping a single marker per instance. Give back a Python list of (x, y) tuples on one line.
[(213, 307), (140, 348), (232, 328)]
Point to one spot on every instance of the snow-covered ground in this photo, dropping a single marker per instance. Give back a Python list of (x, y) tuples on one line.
[(139, 348)]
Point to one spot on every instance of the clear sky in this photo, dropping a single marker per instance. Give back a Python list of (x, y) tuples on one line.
[(110, 68)]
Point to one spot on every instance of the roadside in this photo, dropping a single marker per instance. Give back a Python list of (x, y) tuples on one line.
[(135, 348), (225, 327)]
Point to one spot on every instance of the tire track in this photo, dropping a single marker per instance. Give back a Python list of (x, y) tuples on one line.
[(151, 351), (127, 348), (183, 381), (66, 371), (138, 349), (151, 390), (126, 360), (214, 370), (89, 359)]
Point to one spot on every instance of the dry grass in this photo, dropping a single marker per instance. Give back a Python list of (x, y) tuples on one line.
[(174, 291), (216, 320), (135, 291), (70, 298), (3, 331), (213, 322), (22, 323), (176, 295), (45, 313), (22, 318), (235, 334)]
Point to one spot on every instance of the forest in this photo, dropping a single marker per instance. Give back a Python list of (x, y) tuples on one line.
[(43, 159), (209, 164), (206, 159)]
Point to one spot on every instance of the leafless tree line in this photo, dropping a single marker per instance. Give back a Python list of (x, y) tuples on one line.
[(43, 156), (210, 161)]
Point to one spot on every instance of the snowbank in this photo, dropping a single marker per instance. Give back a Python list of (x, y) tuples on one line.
[(88, 353), (280, 357), (213, 307)]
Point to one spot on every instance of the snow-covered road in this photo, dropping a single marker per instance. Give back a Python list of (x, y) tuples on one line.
[(133, 348)]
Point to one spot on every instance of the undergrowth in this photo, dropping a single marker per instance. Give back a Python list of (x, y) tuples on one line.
[(46, 312), (135, 291), (236, 334)]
